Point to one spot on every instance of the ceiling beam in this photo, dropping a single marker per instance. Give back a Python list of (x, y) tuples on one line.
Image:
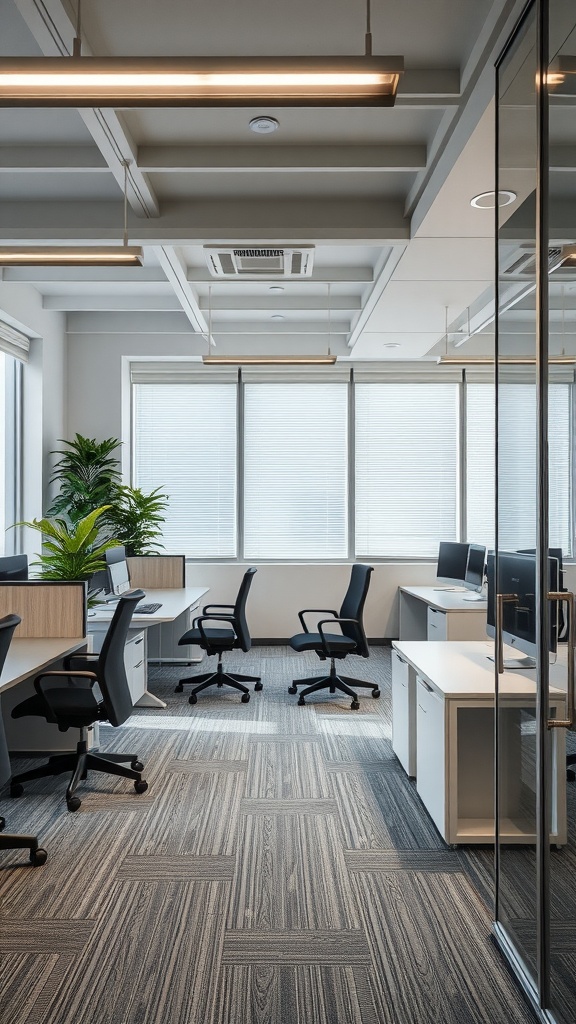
[(321, 275), (111, 303), (54, 31), (175, 269), (285, 159), (57, 159), (281, 303), (106, 275), (427, 88)]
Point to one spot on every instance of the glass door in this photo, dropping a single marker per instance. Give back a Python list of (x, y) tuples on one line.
[(535, 912)]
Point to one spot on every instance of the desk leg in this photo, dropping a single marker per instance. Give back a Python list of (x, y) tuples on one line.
[(149, 700)]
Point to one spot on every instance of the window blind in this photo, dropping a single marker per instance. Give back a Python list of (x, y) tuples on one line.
[(13, 342), (406, 493), (517, 465), (185, 443), (295, 470)]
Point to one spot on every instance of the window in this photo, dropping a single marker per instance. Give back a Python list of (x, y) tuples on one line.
[(406, 468), (185, 444), (10, 448), (517, 454), (271, 467), (295, 470)]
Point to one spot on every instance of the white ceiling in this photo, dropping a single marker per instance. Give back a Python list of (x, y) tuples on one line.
[(384, 195)]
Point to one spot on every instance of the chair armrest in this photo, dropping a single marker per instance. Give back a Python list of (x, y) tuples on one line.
[(207, 607), (198, 623), (43, 692), (316, 611), (79, 657), (325, 644)]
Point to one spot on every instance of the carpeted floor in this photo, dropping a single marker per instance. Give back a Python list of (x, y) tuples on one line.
[(280, 869)]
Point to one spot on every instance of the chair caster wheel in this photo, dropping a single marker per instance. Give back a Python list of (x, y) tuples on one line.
[(137, 766), (570, 775), (179, 688), (192, 699), (38, 857), (301, 702), (259, 686), (375, 693), (355, 705), (16, 789), (141, 786), (73, 803), (292, 690), (245, 698)]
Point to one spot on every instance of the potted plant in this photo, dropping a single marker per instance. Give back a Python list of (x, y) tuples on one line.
[(135, 518), (71, 550), (88, 474)]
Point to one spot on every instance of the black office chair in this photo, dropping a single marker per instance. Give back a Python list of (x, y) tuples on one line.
[(10, 841), (74, 705), (330, 646), (216, 641)]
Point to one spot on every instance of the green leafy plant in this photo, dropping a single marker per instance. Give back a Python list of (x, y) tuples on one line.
[(136, 518), (71, 550), (88, 474)]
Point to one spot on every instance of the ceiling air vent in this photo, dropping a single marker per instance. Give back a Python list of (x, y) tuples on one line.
[(284, 261), (524, 264)]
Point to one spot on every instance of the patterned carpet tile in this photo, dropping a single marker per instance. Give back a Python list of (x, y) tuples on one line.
[(286, 771), (324, 948), (27, 983), (319, 994), (176, 869), (44, 936), (288, 806), (199, 767), (402, 860)]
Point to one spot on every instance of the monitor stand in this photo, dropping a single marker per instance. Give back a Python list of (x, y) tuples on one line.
[(515, 663), (452, 590), (474, 597)]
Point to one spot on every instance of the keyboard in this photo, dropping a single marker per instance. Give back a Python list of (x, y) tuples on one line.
[(148, 609)]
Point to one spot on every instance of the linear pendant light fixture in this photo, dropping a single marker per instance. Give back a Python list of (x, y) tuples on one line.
[(77, 256), (78, 81)]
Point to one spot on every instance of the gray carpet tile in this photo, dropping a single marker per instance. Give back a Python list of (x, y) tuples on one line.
[(324, 948), (280, 869), (263, 993), (176, 869)]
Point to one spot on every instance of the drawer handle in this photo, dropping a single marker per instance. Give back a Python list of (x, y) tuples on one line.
[(401, 660), (139, 640), (434, 611), (423, 710), (139, 663), (425, 685)]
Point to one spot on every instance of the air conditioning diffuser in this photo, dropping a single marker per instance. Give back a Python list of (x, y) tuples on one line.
[(283, 261)]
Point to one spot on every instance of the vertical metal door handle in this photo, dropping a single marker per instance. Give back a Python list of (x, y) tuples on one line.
[(501, 600), (567, 598)]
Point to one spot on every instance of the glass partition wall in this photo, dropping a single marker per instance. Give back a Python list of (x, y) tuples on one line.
[(535, 912)]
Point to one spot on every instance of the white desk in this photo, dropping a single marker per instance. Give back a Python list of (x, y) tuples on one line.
[(443, 733), (430, 614), (178, 606), (26, 659)]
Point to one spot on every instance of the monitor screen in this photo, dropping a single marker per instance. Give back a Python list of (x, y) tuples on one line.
[(13, 567), (452, 561), (118, 570), (517, 577), (474, 575)]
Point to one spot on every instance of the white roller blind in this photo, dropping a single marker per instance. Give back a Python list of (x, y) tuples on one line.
[(295, 470), (406, 468), (13, 342), (185, 443), (517, 465)]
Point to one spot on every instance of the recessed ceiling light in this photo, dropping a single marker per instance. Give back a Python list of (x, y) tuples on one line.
[(391, 344), (264, 125), (487, 200), (277, 316), (276, 288)]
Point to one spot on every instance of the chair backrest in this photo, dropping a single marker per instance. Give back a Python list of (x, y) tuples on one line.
[(243, 639), (7, 626), (353, 607), (111, 669)]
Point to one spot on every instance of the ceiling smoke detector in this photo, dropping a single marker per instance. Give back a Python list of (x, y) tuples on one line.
[(264, 125), (252, 262)]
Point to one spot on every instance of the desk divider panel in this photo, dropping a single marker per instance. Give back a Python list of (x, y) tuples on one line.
[(157, 572), (48, 608)]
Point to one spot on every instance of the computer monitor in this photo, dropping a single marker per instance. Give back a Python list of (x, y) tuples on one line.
[(117, 570), (517, 578), (452, 561), (474, 574), (13, 567)]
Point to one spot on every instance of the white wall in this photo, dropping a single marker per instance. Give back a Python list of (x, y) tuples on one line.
[(45, 387)]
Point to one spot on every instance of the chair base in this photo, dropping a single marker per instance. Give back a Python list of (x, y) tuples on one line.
[(11, 841), (80, 764), (333, 682), (218, 678)]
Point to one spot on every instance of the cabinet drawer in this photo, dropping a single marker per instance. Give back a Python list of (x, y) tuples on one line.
[(437, 628), (135, 662), (431, 753), (403, 713)]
